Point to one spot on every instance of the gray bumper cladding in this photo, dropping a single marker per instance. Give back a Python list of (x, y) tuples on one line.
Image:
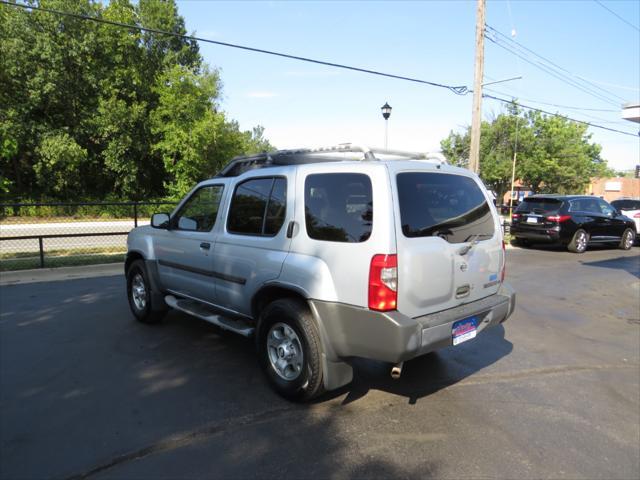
[(392, 337)]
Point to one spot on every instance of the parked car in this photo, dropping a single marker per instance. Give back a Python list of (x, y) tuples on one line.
[(631, 208), (294, 248), (574, 221)]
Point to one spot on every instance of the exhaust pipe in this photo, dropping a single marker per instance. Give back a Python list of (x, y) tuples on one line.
[(396, 370)]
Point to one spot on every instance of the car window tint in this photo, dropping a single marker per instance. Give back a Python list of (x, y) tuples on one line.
[(258, 207), (338, 207), (277, 207), (248, 205), (605, 207), (539, 205), (452, 207), (626, 204), (199, 212)]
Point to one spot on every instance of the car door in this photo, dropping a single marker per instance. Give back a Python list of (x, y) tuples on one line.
[(184, 250), (614, 223), (253, 243)]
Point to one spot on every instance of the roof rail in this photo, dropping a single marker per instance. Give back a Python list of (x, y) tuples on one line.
[(241, 164)]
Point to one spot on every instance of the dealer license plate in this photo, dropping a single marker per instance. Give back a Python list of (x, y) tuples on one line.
[(464, 330), (532, 219)]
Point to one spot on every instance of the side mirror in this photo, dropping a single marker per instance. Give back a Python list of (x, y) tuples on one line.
[(160, 220)]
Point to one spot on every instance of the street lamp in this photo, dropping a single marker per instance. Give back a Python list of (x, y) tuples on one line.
[(386, 113)]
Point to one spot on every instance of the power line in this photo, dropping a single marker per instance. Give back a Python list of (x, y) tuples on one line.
[(588, 115), (553, 72), (551, 67), (504, 100), (458, 90), (616, 15), (558, 105)]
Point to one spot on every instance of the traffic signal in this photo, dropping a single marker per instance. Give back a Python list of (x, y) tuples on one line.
[(637, 171)]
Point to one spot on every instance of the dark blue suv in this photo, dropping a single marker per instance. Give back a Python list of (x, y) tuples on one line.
[(574, 221)]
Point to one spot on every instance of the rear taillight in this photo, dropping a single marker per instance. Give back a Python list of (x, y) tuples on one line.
[(504, 262), (637, 215), (515, 215), (383, 283), (559, 218)]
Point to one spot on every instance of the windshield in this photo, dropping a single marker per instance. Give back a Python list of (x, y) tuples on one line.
[(626, 204), (452, 207), (539, 205)]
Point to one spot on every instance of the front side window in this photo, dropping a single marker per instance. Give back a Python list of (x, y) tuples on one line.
[(605, 208), (448, 206), (199, 212), (258, 207), (338, 207)]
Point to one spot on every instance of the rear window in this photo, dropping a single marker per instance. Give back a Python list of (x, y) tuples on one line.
[(448, 206), (626, 204), (539, 205), (338, 207)]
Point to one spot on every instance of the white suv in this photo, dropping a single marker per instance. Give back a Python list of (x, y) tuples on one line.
[(328, 254)]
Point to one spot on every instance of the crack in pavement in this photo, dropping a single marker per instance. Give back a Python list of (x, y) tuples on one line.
[(177, 441)]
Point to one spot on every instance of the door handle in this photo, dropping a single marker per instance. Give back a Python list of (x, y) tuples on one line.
[(205, 245), (290, 228)]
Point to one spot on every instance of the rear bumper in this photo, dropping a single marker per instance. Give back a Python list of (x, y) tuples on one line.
[(549, 236), (350, 331)]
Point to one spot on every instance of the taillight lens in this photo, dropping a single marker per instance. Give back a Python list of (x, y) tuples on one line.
[(504, 262), (383, 283), (515, 216), (637, 215), (559, 218)]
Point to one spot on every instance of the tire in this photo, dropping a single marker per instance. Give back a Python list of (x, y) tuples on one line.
[(579, 242), (290, 350), (139, 294), (627, 240)]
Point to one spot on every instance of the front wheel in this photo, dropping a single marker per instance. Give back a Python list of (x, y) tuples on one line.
[(139, 294), (579, 241), (626, 242), (290, 350)]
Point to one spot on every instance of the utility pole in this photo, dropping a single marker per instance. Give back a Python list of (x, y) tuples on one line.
[(476, 114)]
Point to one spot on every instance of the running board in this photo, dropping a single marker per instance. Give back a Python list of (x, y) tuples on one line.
[(203, 312)]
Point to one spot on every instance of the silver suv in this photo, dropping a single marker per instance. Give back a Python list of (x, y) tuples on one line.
[(323, 255)]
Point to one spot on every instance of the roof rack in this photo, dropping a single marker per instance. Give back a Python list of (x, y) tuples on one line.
[(242, 164)]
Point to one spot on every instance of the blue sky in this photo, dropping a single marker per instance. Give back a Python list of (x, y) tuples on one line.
[(301, 104)]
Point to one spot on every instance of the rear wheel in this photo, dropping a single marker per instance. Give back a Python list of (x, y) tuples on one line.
[(290, 350), (628, 237), (139, 294), (579, 241)]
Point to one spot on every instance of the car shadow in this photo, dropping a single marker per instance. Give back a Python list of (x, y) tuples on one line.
[(429, 373), (630, 265)]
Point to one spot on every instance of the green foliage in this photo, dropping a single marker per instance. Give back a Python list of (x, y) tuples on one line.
[(88, 110), (553, 154)]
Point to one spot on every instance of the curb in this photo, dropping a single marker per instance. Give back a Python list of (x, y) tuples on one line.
[(21, 277)]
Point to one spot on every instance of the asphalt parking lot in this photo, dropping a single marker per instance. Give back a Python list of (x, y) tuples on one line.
[(85, 391)]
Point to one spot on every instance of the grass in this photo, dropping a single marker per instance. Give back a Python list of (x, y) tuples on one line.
[(61, 258)]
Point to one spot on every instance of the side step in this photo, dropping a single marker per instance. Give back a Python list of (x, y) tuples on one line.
[(203, 312)]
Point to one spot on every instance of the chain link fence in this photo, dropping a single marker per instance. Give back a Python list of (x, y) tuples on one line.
[(39, 235)]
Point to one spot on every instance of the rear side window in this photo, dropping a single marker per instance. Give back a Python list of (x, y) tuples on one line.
[(258, 207), (338, 207), (539, 205), (448, 206)]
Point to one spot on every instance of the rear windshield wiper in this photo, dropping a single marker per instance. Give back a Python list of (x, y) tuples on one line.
[(473, 239)]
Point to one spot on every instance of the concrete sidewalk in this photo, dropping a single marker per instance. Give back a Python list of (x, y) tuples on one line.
[(61, 273)]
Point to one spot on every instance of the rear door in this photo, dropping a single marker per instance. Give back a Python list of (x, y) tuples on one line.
[(449, 241)]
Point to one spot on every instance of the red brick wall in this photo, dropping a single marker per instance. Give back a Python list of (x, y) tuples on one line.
[(613, 188)]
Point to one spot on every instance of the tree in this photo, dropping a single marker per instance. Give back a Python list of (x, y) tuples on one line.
[(115, 111), (554, 154)]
